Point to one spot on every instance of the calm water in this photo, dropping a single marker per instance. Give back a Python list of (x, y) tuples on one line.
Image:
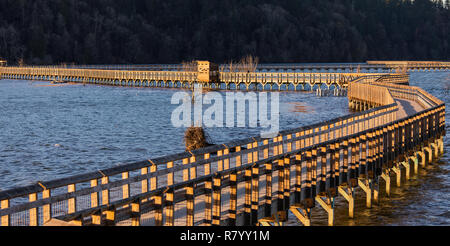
[(49, 132)]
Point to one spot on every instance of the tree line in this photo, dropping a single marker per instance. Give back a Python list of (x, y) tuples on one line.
[(161, 31)]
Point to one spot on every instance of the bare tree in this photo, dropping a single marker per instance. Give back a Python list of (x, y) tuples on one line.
[(248, 64), (402, 69), (190, 66)]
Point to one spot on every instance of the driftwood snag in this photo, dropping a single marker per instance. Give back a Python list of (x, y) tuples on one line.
[(195, 138)]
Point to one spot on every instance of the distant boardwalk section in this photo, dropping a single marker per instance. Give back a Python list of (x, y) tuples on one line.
[(413, 65), (208, 74)]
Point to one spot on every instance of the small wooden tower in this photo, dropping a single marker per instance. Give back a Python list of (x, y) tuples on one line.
[(207, 72)]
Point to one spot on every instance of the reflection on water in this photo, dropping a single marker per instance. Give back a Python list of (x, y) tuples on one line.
[(49, 132)]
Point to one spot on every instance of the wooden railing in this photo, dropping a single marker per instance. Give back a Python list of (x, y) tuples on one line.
[(413, 64), (373, 94), (143, 78), (413, 93), (394, 78), (294, 78), (61, 73), (241, 181)]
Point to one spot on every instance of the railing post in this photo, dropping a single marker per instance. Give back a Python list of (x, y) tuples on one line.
[(72, 202), (190, 203), (379, 152), (281, 179), (94, 195), (233, 199), (248, 196), (157, 199), (220, 162), (298, 178), (287, 183), (46, 209), (352, 173), (268, 197), (125, 187), (233, 191), (336, 164), (217, 200), (255, 195), (344, 173), (6, 219), (208, 193), (105, 193), (226, 161), (34, 212), (289, 145), (170, 206), (144, 182), (189, 173)]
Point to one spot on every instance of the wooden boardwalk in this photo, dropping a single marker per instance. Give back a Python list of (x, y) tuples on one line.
[(256, 181), (207, 74), (367, 67)]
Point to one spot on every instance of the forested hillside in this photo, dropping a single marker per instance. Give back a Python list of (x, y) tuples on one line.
[(171, 31)]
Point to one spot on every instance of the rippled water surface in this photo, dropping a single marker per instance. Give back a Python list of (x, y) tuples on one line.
[(56, 131), (49, 132)]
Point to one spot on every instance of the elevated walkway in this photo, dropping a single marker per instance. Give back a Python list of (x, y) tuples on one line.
[(255, 180)]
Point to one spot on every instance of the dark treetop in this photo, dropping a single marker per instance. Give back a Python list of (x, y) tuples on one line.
[(161, 31)]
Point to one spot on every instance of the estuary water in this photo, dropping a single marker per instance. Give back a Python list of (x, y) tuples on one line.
[(49, 132)]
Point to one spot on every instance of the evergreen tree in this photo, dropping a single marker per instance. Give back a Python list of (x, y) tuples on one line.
[(158, 31)]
